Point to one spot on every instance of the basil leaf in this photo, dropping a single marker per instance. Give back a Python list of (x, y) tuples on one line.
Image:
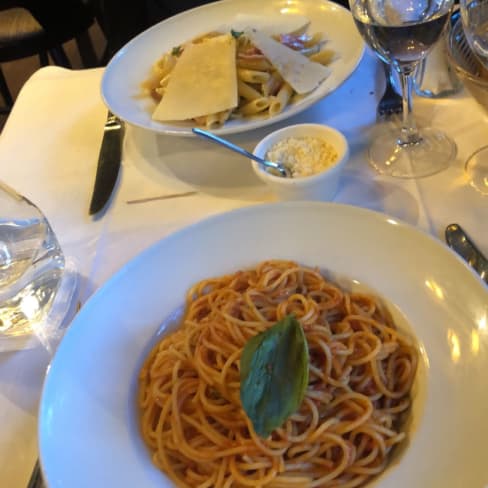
[(236, 34), (274, 374), (176, 51)]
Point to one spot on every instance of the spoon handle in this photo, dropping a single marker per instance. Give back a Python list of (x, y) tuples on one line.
[(237, 149), (226, 144)]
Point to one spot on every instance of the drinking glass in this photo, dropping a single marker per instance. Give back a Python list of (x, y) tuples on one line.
[(401, 32), (36, 284), (474, 14)]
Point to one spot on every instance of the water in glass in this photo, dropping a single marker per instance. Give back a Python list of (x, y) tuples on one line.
[(402, 32), (31, 265)]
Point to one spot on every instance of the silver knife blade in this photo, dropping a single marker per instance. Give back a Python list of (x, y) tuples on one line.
[(108, 163), (459, 241)]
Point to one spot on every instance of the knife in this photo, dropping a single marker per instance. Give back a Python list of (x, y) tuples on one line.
[(108, 163), (458, 240)]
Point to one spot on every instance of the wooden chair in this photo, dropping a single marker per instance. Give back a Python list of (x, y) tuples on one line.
[(31, 28)]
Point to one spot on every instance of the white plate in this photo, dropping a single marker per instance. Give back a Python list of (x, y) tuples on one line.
[(131, 65), (88, 421)]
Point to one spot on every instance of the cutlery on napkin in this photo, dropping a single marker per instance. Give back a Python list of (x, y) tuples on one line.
[(109, 162)]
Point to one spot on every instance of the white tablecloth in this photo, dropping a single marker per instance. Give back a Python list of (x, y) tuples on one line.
[(49, 151)]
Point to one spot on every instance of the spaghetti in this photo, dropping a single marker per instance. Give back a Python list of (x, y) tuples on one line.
[(360, 376)]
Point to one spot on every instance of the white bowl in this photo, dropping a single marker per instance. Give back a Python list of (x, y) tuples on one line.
[(132, 64), (321, 186)]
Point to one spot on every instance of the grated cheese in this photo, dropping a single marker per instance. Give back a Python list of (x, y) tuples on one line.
[(303, 156)]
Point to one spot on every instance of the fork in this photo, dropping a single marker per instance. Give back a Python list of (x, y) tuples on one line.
[(390, 103)]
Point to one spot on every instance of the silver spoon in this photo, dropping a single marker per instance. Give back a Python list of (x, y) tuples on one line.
[(283, 170)]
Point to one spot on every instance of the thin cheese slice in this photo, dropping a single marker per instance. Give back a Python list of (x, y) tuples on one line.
[(203, 81), (301, 73)]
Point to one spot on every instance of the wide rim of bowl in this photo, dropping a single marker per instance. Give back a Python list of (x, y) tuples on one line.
[(432, 318), (300, 180)]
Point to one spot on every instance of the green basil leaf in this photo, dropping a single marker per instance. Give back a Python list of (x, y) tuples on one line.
[(236, 34), (274, 374), (176, 51)]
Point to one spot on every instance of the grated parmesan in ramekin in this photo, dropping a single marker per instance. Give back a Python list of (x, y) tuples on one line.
[(303, 156)]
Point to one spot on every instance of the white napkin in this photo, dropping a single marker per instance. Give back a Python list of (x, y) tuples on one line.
[(49, 151)]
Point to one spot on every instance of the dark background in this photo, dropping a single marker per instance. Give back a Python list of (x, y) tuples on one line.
[(122, 20)]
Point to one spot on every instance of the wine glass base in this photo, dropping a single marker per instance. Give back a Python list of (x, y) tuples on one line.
[(429, 156), (477, 169)]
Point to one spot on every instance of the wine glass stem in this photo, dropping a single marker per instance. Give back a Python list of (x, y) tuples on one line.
[(409, 134)]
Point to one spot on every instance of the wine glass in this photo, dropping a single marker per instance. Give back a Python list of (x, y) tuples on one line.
[(401, 32), (474, 14)]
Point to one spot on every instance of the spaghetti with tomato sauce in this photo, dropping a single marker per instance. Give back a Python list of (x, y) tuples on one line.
[(361, 372)]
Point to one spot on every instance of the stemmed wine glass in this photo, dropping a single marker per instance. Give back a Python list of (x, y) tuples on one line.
[(474, 14), (401, 32)]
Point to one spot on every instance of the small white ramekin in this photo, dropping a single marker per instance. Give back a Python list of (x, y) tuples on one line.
[(321, 186)]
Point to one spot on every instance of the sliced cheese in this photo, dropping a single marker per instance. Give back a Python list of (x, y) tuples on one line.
[(203, 81), (301, 73)]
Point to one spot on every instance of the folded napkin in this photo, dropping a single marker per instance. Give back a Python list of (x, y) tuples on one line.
[(49, 150)]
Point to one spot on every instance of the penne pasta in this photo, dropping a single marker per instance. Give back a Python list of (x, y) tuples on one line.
[(165, 65), (252, 76), (272, 86), (261, 90), (160, 91), (224, 116), (313, 40), (243, 43), (301, 30), (281, 100), (325, 57), (256, 106), (246, 91), (150, 84), (164, 81), (297, 97), (201, 120), (256, 62), (212, 121)]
